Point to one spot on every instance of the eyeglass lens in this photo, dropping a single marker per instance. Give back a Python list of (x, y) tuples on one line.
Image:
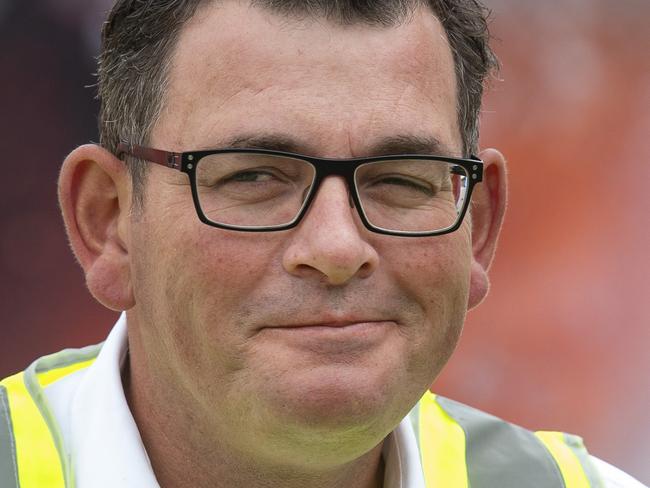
[(251, 190)]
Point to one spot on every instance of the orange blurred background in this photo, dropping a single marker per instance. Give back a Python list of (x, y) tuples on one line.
[(561, 342)]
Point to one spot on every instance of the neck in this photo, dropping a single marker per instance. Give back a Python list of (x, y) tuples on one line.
[(183, 453)]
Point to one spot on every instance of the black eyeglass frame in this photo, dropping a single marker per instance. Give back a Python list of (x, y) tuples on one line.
[(187, 162)]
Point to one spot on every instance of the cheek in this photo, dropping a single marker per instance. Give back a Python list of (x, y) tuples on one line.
[(182, 260), (192, 283), (231, 265), (435, 274), (433, 270), (197, 280)]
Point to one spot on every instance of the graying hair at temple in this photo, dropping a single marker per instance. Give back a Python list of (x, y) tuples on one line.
[(139, 37)]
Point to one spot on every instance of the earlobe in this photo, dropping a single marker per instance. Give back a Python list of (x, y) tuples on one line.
[(95, 199), (488, 209)]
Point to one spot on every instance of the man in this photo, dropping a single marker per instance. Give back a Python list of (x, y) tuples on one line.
[(292, 243)]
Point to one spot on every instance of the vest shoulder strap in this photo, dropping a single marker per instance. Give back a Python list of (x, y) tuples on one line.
[(31, 446), (464, 447)]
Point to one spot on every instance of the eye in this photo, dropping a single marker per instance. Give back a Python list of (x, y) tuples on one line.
[(405, 183), (250, 176), (258, 176)]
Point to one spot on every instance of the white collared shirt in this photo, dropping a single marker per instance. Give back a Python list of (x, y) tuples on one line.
[(104, 446)]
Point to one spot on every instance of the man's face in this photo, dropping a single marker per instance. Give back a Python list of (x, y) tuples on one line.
[(322, 330)]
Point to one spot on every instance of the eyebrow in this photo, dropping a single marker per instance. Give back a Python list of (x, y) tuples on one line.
[(410, 144), (398, 144)]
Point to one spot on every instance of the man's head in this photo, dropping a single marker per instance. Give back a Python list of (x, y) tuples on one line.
[(313, 340)]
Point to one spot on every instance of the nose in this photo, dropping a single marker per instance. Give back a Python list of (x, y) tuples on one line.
[(328, 243)]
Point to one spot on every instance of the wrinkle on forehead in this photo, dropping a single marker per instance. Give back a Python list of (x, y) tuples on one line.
[(308, 67)]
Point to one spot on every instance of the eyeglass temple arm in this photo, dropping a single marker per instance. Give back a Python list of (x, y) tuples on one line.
[(164, 158)]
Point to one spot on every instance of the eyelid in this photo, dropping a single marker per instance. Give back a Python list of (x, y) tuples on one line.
[(410, 181)]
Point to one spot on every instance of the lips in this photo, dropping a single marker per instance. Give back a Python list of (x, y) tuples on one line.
[(328, 324), (329, 339)]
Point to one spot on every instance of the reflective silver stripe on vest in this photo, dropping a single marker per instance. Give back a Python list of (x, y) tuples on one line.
[(8, 467), (502, 455), (578, 448), (61, 359)]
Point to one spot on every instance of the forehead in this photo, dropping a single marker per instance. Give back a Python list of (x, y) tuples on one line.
[(242, 70)]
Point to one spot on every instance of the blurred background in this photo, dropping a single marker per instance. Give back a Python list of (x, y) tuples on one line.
[(563, 340)]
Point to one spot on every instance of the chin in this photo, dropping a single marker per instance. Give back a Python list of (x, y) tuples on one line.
[(342, 401)]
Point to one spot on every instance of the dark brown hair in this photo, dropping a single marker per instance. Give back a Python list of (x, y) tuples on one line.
[(139, 37)]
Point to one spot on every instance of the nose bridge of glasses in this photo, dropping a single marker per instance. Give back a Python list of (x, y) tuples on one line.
[(343, 168), (321, 179), (326, 198), (345, 175)]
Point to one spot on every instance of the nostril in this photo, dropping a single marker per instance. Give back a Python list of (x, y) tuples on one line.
[(365, 269)]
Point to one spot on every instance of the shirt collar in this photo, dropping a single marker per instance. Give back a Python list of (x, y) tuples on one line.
[(104, 440)]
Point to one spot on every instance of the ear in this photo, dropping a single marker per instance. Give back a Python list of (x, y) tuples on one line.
[(488, 208), (95, 199)]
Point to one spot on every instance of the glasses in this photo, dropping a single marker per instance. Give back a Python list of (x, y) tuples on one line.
[(263, 190)]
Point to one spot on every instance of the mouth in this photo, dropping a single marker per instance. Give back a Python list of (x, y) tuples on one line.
[(333, 324), (332, 337), (339, 324)]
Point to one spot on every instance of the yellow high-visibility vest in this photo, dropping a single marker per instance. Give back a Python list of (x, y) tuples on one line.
[(460, 447)]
